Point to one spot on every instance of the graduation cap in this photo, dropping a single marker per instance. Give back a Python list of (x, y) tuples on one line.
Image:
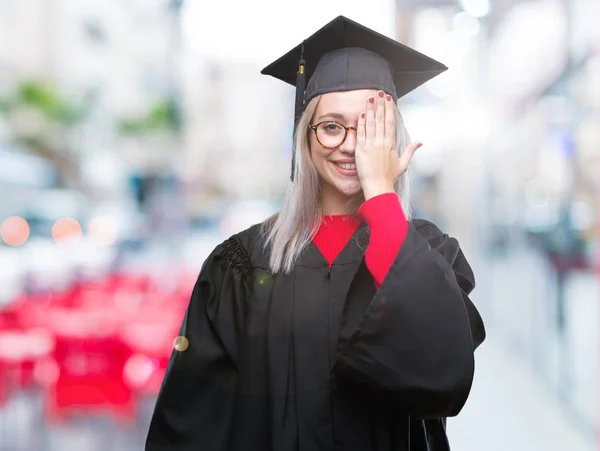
[(345, 55)]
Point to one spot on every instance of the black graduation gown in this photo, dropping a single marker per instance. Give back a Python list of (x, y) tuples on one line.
[(319, 360)]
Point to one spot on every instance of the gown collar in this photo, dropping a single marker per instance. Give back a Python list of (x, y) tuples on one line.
[(353, 251)]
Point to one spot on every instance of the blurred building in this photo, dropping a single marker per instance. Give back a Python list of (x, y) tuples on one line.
[(448, 114), (511, 157), (238, 142), (118, 57), (509, 167)]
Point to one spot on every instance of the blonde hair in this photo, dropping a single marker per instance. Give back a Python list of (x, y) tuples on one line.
[(293, 228)]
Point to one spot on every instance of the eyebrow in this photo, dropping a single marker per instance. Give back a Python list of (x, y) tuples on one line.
[(337, 116)]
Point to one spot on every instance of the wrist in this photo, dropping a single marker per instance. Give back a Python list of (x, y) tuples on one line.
[(371, 190)]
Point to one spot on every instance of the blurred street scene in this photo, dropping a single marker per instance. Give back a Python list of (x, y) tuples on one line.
[(135, 135)]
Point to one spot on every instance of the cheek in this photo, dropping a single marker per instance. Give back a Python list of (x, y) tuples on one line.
[(318, 154)]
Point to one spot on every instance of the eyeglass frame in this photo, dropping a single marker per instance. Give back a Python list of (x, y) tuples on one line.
[(314, 129)]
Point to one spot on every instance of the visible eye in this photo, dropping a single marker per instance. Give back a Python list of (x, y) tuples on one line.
[(332, 127)]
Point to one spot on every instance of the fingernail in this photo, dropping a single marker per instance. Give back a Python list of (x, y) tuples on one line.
[(371, 99), (380, 94), (362, 115), (388, 98)]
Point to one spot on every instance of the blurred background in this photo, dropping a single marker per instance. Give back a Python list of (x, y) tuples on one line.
[(135, 135)]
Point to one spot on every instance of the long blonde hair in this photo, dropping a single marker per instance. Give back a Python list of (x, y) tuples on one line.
[(292, 229)]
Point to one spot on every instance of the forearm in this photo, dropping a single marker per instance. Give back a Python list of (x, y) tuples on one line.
[(388, 227)]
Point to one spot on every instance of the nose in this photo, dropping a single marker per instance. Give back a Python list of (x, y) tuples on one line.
[(349, 144)]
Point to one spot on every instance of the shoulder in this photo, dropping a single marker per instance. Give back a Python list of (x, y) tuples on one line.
[(427, 229), (450, 248), (247, 239), (241, 252)]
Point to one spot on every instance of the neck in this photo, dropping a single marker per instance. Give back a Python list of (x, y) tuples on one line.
[(335, 203)]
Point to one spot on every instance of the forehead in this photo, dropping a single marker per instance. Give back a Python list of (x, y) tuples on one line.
[(347, 103)]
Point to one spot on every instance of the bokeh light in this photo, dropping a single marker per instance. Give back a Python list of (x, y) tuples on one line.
[(180, 343), (14, 231), (102, 231), (66, 230)]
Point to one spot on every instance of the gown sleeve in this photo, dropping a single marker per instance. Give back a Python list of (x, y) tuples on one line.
[(450, 249), (196, 401), (415, 338)]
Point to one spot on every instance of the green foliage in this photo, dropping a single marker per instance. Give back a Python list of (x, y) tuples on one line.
[(163, 116), (46, 100), (29, 141)]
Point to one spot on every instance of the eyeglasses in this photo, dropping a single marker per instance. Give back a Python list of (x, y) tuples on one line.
[(331, 134)]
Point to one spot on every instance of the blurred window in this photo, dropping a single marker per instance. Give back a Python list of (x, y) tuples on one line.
[(153, 80), (95, 32)]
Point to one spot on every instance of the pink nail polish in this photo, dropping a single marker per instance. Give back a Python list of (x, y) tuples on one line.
[(362, 115), (388, 98), (371, 99), (380, 94)]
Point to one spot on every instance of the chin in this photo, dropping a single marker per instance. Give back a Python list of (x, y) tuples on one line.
[(349, 189), (346, 186)]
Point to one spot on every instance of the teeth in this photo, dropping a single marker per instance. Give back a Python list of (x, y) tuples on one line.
[(346, 166)]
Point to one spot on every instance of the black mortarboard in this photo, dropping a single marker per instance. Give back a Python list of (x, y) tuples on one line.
[(344, 56)]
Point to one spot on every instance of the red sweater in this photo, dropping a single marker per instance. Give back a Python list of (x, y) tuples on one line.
[(388, 227)]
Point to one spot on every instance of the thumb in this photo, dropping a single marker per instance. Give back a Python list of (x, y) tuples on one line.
[(408, 154)]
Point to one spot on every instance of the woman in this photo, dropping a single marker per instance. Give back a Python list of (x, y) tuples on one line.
[(339, 324)]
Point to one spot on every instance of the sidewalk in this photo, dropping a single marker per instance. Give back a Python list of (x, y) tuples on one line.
[(509, 410)]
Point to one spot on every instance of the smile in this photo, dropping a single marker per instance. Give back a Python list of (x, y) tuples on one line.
[(347, 166), (345, 169)]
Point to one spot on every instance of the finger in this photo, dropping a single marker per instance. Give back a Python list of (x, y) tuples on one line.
[(408, 154), (390, 122), (380, 118), (360, 130), (370, 121)]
